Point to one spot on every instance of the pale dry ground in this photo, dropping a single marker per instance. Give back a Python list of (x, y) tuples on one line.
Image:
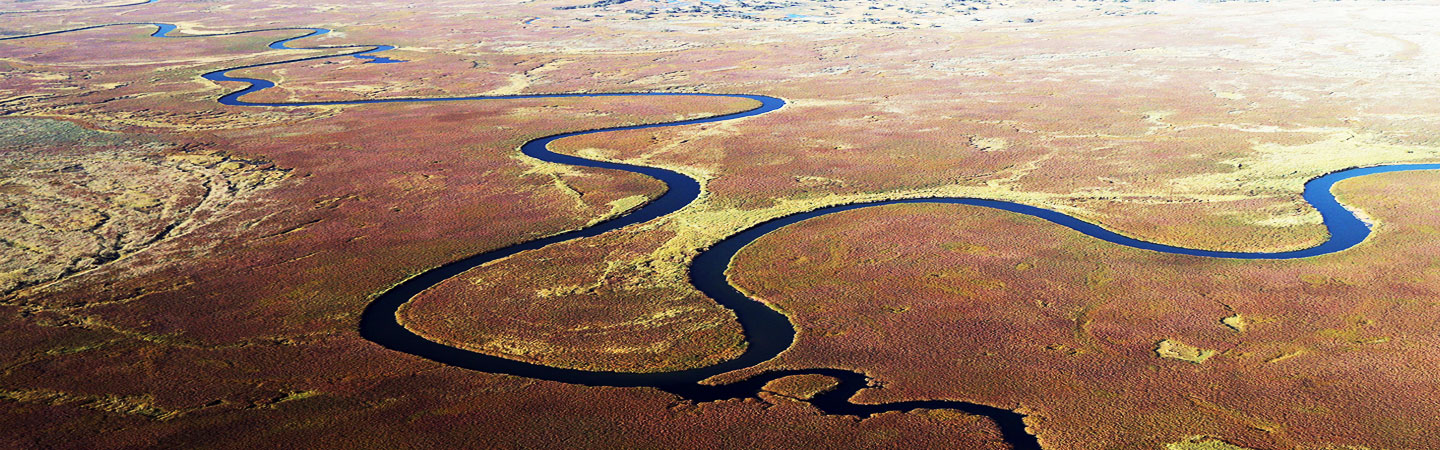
[(73, 199), (33, 6)]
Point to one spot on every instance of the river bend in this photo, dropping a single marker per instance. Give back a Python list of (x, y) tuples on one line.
[(767, 331)]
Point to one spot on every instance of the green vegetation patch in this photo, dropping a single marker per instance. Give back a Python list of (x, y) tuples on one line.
[(23, 132)]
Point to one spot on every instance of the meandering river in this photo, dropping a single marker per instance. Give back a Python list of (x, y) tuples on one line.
[(767, 331)]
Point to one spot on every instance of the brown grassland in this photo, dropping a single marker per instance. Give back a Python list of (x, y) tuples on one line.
[(1308, 354), (180, 273)]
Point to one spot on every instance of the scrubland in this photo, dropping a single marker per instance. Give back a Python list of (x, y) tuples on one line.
[(178, 271), (1111, 347)]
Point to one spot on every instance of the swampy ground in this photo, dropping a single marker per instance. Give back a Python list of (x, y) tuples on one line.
[(179, 272)]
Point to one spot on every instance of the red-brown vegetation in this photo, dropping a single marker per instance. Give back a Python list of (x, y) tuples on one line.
[(1193, 127), (962, 302)]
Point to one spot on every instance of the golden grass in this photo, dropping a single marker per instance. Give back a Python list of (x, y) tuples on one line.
[(1202, 443), (1174, 349)]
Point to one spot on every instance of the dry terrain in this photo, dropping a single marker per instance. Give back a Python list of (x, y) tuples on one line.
[(175, 272)]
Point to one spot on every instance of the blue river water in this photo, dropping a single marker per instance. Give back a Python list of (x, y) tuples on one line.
[(767, 331)]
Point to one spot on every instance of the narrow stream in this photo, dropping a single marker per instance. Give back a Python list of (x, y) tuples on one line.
[(767, 331)]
